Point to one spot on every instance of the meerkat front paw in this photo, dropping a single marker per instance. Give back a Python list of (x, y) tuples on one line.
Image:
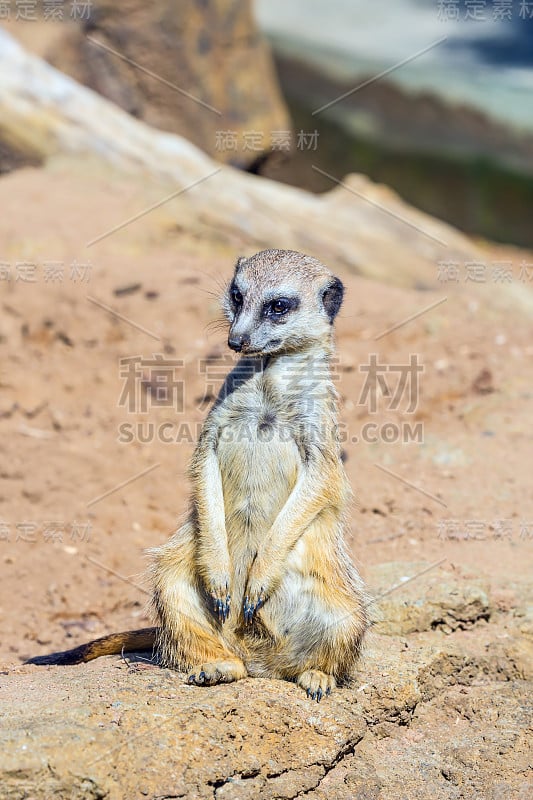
[(221, 600), (261, 584), (219, 671), (316, 683), (218, 589), (253, 600)]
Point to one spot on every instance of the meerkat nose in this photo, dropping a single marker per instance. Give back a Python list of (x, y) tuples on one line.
[(239, 343)]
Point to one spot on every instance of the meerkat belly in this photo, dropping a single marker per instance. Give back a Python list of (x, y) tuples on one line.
[(259, 464), (304, 600)]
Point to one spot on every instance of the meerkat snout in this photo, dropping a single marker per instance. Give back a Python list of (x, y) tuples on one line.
[(280, 300), (239, 343)]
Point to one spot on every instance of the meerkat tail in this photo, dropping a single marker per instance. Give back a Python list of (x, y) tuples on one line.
[(115, 643)]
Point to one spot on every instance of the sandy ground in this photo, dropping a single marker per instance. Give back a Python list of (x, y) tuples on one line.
[(76, 514)]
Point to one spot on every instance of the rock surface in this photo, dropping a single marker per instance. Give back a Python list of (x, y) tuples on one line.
[(358, 224), (444, 602), (197, 69), (429, 716)]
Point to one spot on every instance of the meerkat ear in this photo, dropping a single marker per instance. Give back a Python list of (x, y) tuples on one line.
[(240, 261), (332, 298)]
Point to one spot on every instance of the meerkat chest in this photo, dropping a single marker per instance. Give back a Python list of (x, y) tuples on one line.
[(258, 454), (263, 413), (256, 428)]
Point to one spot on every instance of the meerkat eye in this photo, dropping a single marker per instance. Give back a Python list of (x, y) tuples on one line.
[(236, 296), (279, 306)]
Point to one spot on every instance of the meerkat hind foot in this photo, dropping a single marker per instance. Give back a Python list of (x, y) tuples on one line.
[(217, 671), (316, 683)]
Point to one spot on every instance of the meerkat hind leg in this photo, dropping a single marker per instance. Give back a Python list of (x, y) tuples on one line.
[(194, 648), (204, 656), (218, 671), (316, 683), (317, 614), (190, 638)]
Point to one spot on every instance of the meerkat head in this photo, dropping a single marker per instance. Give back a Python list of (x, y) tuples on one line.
[(280, 301)]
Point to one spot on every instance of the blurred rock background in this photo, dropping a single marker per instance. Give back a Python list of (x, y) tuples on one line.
[(450, 129), (134, 174), (153, 56)]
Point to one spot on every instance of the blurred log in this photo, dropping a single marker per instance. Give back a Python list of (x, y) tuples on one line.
[(200, 69), (361, 225)]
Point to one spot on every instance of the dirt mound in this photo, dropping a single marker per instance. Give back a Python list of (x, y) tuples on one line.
[(438, 706), (430, 716)]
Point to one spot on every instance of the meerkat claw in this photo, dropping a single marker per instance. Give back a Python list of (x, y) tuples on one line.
[(226, 610), (250, 608), (316, 684), (222, 610), (248, 611), (222, 670), (221, 605)]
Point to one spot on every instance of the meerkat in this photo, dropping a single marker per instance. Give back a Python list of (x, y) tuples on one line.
[(257, 581)]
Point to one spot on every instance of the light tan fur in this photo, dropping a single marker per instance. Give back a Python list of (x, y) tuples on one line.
[(257, 581), (264, 538)]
